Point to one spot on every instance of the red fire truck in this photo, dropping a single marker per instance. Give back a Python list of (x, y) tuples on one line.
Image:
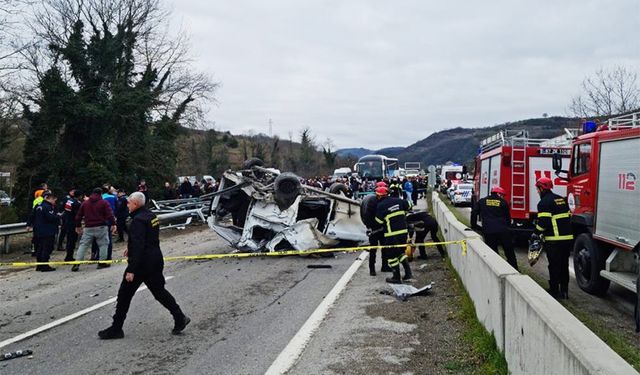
[(514, 161), (603, 193)]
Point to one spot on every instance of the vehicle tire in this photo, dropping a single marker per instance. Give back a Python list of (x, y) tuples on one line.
[(252, 163), (363, 207), (287, 188), (338, 188), (589, 259)]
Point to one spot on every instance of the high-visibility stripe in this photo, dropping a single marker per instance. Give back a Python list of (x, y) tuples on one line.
[(544, 214), (554, 222), (391, 234), (539, 228), (559, 238), (565, 215), (403, 258), (393, 262), (388, 218), (379, 221)]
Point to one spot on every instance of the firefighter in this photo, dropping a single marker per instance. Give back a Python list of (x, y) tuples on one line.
[(376, 235), (496, 221), (395, 188), (425, 224), (554, 227), (391, 214)]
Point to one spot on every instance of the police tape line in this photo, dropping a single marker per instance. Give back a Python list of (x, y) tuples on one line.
[(462, 243)]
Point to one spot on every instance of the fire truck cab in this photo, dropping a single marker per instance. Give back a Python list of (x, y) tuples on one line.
[(603, 193), (514, 161)]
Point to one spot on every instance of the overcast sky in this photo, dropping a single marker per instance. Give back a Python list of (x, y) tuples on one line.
[(386, 73)]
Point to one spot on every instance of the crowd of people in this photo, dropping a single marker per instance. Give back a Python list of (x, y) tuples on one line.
[(413, 188), (188, 190)]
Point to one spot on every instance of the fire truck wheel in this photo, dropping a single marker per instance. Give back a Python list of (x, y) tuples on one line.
[(338, 188), (589, 259)]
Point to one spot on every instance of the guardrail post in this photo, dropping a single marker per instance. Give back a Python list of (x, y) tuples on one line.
[(7, 243)]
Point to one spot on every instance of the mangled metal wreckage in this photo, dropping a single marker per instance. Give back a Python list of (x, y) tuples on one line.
[(260, 209)]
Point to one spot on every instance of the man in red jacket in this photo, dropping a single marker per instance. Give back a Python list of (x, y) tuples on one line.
[(98, 216)]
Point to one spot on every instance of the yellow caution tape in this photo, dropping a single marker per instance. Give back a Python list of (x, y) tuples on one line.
[(463, 244)]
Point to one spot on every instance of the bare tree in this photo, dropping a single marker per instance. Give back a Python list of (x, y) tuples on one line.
[(607, 93), (155, 47)]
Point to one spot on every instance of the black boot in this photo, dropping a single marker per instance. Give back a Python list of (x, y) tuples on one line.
[(553, 290), (423, 253), (47, 269), (395, 279), (564, 292), (180, 324), (111, 333), (408, 275)]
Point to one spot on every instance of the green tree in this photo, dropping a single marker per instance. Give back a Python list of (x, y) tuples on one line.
[(110, 102)]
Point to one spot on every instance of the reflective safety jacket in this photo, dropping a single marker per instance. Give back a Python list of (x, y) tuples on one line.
[(494, 213), (391, 214), (554, 218)]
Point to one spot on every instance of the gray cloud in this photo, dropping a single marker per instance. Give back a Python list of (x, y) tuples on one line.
[(384, 73)]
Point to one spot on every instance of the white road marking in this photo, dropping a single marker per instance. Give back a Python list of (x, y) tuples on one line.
[(290, 354), (67, 318)]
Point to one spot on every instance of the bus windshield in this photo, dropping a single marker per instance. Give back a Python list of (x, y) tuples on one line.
[(370, 169)]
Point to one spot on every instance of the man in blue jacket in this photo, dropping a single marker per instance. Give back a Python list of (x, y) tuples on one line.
[(45, 227)]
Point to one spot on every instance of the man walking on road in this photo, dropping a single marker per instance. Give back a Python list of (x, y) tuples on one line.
[(496, 221), (98, 217), (145, 266)]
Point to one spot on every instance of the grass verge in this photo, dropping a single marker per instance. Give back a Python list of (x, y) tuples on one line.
[(486, 356)]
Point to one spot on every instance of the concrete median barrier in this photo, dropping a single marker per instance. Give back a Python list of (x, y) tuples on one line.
[(537, 334), (544, 338)]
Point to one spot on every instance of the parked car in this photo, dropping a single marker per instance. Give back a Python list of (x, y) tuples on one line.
[(5, 199), (462, 194), (450, 190)]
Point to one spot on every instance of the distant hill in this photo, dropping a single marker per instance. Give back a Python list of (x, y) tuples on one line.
[(460, 145), (354, 152)]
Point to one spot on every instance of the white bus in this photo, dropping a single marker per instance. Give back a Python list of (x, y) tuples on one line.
[(377, 167)]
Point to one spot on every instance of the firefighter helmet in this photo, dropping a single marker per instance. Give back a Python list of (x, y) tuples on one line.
[(381, 184), (382, 191), (498, 189), (544, 183)]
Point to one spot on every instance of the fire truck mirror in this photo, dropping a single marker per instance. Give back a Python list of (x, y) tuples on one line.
[(557, 162), (464, 169)]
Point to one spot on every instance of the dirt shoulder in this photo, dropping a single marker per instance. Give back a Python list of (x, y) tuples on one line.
[(371, 332)]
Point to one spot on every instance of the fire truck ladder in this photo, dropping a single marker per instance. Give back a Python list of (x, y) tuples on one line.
[(518, 174)]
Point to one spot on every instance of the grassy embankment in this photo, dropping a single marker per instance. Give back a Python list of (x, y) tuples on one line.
[(485, 357)]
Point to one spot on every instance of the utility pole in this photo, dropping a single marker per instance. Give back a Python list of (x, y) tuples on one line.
[(270, 128)]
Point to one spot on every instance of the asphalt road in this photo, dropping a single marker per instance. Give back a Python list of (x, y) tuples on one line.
[(244, 312)]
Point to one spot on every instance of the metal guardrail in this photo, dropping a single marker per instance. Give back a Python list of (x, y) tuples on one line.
[(8, 230)]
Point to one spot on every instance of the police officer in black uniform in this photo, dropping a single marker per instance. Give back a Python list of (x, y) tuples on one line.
[(71, 207), (45, 227), (496, 221), (391, 214), (145, 266), (554, 226), (425, 224)]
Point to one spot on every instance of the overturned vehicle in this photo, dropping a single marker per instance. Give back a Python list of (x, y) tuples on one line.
[(261, 209)]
